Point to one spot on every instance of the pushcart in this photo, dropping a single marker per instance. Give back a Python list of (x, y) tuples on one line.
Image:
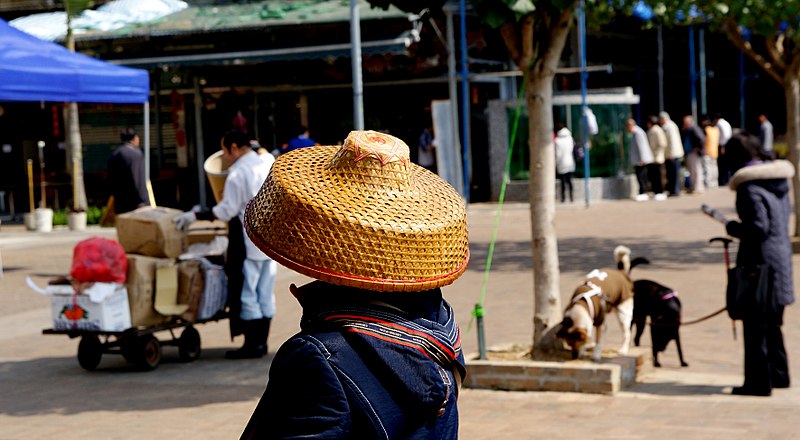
[(138, 345)]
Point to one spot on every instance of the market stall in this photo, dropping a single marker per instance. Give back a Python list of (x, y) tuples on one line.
[(35, 70)]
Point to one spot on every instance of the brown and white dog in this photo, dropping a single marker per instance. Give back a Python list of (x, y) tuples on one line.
[(602, 291)]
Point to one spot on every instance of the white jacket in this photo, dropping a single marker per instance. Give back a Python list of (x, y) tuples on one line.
[(565, 162), (245, 177), (658, 142), (675, 148)]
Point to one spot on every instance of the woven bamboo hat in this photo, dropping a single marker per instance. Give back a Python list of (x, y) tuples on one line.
[(361, 215)]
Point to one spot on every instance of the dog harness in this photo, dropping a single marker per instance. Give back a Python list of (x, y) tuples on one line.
[(669, 295), (594, 290)]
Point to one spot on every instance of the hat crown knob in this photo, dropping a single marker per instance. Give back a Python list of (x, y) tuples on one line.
[(374, 145)]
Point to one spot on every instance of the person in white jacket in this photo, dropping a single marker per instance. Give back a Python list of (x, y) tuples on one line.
[(246, 174), (658, 144), (565, 161), (673, 155)]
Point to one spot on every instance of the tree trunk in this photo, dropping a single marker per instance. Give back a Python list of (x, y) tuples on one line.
[(75, 148), (542, 196), (73, 138), (791, 86)]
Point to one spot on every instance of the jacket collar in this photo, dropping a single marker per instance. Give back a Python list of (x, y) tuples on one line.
[(778, 169)]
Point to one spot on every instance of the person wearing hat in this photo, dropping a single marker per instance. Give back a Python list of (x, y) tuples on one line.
[(255, 279), (379, 352), (126, 174)]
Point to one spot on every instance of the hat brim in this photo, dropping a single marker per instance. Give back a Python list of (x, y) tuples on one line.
[(355, 228)]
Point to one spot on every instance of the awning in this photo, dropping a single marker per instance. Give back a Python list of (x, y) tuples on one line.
[(395, 45)]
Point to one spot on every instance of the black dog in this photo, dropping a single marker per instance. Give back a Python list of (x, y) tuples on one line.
[(663, 307)]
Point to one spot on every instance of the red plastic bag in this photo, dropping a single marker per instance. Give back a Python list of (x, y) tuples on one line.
[(99, 259)]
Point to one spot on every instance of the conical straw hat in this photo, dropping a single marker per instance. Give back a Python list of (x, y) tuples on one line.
[(361, 215), (217, 171)]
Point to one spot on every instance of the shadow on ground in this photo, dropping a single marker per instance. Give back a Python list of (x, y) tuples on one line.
[(675, 389), (47, 385), (586, 253)]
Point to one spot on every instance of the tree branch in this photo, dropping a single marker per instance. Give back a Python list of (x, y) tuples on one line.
[(736, 38), (774, 45), (527, 41), (558, 36), (509, 33)]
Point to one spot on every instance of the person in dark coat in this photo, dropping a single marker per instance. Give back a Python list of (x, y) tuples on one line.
[(379, 354), (694, 141), (126, 174), (302, 139), (762, 202)]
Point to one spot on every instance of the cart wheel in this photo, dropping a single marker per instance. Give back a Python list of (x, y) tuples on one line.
[(129, 348), (189, 344), (149, 354), (90, 351)]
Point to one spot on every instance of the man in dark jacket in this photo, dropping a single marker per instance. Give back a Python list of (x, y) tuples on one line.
[(694, 141), (762, 202), (379, 352), (126, 174)]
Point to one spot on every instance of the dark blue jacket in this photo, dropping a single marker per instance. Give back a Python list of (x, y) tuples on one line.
[(298, 142), (126, 178), (762, 202), (694, 140), (341, 380)]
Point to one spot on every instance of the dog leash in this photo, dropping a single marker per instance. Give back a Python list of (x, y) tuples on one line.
[(695, 321), (709, 316)]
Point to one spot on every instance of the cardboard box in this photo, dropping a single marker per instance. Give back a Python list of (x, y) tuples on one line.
[(141, 284), (100, 306), (190, 287), (151, 232), (204, 231)]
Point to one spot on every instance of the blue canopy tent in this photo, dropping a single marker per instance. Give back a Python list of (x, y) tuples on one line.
[(36, 70)]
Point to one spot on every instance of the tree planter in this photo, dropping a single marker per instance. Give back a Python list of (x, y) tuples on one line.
[(30, 221), (44, 219), (76, 221), (580, 376)]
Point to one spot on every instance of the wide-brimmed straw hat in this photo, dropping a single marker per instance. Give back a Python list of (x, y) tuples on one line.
[(361, 215)]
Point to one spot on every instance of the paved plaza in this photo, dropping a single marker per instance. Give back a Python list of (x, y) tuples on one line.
[(47, 395)]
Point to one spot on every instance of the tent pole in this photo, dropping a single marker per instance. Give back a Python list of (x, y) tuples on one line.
[(146, 137), (355, 57), (200, 146)]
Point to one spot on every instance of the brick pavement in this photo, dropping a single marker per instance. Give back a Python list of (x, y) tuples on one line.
[(47, 395)]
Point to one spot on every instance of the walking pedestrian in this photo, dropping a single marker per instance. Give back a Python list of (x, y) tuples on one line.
[(658, 144), (565, 159), (674, 154), (710, 153), (694, 141), (641, 155), (256, 307), (126, 174), (725, 133), (765, 133), (426, 148)]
